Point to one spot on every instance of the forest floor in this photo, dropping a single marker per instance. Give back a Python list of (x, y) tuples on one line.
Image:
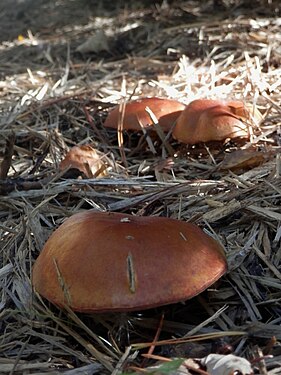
[(63, 66)]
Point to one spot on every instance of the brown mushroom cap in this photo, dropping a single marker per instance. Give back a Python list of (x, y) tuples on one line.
[(86, 160), (97, 262), (165, 110), (206, 120)]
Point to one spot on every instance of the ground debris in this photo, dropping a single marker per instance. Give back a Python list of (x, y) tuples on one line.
[(54, 98)]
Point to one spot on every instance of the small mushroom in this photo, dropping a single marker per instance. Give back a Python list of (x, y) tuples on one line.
[(205, 120), (97, 262), (86, 160), (165, 110)]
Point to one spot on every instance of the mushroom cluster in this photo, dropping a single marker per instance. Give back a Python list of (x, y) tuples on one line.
[(98, 262), (202, 120)]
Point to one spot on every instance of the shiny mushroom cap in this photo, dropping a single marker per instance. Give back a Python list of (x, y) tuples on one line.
[(97, 262), (135, 117), (205, 120)]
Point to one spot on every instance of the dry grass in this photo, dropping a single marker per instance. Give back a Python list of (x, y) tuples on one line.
[(59, 99)]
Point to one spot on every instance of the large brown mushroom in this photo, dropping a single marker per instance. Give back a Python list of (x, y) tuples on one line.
[(135, 116), (97, 262), (205, 120)]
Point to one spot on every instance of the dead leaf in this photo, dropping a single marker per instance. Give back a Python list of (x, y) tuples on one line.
[(244, 159), (86, 160), (218, 364), (96, 43)]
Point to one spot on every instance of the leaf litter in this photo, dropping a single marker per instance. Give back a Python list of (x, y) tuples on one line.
[(54, 97)]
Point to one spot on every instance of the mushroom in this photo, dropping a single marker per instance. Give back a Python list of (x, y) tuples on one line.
[(86, 160), (135, 116), (205, 120), (98, 262)]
